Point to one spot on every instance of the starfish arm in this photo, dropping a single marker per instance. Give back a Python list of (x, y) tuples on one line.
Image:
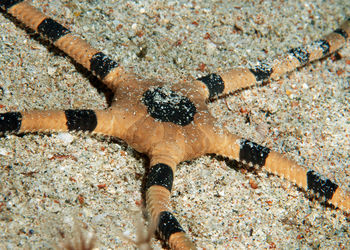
[(158, 187), (240, 78), (106, 69), (249, 152), (96, 121)]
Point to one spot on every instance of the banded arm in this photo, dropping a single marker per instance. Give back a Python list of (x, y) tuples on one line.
[(238, 78), (158, 188), (246, 151), (96, 121), (107, 70)]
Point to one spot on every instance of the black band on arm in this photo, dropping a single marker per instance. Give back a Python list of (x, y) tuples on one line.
[(252, 152), (323, 44), (81, 119), (168, 225), (320, 185), (52, 29), (10, 122), (261, 72), (301, 54), (214, 83), (9, 3), (101, 65), (160, 175)]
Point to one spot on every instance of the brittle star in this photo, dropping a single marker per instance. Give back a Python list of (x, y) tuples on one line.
[(170, 124)]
